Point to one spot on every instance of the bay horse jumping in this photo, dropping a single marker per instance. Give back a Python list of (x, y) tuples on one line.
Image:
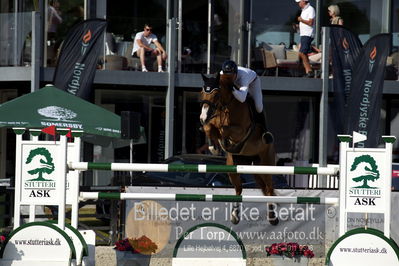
[(228, 122)]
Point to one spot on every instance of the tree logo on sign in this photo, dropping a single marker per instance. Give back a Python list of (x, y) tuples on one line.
[(40, 157), (57, 112), (369, 168)]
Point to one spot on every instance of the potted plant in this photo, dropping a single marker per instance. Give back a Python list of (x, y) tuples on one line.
[(135, 250), (289, 253)]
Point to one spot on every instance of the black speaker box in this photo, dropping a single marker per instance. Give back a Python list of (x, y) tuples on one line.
[(130, 125)]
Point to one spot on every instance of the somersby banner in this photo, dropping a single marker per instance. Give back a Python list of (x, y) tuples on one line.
[(79, 57), (364, 102)]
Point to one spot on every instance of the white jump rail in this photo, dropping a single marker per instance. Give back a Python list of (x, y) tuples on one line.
[(203, 168), (207, 197)]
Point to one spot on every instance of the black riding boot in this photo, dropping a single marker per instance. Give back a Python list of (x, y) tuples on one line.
[(260, 119)]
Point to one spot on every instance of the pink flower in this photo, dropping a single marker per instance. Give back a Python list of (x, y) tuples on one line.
[(290, 250)]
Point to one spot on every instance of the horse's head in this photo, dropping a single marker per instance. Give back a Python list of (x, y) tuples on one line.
[(209, 97)]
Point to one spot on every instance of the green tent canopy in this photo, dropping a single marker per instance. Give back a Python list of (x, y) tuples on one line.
[(51, 106)]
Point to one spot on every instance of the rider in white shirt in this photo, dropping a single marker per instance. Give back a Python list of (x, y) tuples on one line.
[(246, 82)]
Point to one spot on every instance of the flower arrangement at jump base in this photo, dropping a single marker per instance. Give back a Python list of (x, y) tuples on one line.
[(290, 250), (142, 245), (3, 238)]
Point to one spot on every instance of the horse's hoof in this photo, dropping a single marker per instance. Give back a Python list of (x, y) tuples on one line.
[(274, 221), (213, 150), (234, 218), (267, 138)]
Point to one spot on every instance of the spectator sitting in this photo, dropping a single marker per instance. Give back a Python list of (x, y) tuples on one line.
[(314, 55), (143, 46)]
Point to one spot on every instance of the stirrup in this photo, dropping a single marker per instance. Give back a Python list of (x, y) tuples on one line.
[(267, 137)]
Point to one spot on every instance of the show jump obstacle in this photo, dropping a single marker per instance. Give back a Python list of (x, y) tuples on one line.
[(47, 173)]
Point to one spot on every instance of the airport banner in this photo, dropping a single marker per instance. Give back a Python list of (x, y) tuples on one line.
[(364, 102), (345, 49), (79, 56)]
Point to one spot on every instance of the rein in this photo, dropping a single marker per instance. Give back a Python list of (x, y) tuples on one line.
[(237, 147), (212, 107), (216, 108)]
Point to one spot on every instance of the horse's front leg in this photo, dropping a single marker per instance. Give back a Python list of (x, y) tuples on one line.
[(212, 136), (236, 182)]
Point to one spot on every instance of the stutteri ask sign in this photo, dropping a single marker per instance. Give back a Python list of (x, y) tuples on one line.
[(366, 177), (363, 247), (39, 173)]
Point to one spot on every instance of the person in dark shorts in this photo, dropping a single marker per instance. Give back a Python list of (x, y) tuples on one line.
[(306, 31)]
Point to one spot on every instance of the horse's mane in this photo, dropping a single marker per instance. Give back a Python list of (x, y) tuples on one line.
[(226, 81)]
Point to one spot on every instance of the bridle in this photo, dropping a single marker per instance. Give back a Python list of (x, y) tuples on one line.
[(212, 105), (215, 105)]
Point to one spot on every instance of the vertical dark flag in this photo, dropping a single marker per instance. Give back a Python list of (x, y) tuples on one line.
[(345, 47), (78, 58), (364, 103)]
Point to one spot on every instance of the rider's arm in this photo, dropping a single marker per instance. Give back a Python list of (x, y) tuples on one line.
[(241, 84), (240, 94)]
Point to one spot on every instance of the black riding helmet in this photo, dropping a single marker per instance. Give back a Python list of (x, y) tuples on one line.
[(229, 67)]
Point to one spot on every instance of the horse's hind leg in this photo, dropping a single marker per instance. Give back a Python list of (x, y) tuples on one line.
[(267, 184), (236, 182), (273, 219)]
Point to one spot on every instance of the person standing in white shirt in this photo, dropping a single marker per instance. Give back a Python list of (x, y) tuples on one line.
[(246, 82), (54, 18), (306, 31), (142, 47)]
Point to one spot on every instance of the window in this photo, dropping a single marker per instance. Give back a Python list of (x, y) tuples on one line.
[(127, 18), (16, 32), (292, 120), (273, 22), (61, 17)]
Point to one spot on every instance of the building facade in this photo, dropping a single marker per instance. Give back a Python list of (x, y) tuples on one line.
[(198, 36)]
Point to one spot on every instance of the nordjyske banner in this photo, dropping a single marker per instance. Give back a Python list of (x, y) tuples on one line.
[(345, 47), (364, 102), (79, 55)]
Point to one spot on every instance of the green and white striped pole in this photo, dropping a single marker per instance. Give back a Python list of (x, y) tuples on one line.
[(203, 168), (207, 197)]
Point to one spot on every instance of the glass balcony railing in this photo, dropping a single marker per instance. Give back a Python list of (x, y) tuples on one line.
[(16, 37)]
